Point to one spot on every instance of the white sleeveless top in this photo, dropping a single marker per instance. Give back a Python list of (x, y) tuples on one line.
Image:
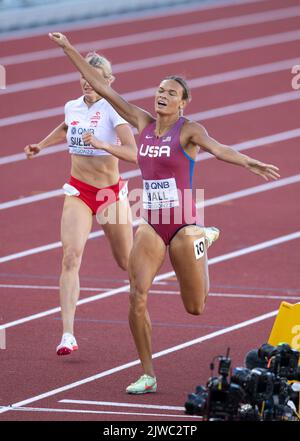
[(100, 119)]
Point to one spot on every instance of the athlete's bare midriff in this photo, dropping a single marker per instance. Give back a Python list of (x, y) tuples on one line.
[(98, 171)]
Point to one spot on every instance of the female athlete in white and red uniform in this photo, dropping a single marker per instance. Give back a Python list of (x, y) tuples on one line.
[(187, 254), (94, 188)]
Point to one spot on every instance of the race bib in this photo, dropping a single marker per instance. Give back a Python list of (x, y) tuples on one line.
[(83, 151), (160, 193), (76, 144), (123, 192), (199, 248), (69, 190)]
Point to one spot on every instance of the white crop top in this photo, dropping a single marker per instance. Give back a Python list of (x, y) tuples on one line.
[(100, 119)]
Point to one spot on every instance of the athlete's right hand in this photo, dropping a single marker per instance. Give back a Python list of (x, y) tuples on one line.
[(32, 150)]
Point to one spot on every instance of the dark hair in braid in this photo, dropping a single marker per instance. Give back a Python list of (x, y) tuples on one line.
[(186, 95)]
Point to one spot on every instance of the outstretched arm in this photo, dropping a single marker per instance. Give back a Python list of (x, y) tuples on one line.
[(139, 118), (57, 135), (199, 136), (126, 151)]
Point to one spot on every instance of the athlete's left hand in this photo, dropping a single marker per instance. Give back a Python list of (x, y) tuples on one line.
[(59, 39), (90, 139), (267, 171)]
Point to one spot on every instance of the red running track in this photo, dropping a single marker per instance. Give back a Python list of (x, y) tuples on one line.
[(244, 288)]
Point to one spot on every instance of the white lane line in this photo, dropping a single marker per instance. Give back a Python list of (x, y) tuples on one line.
[(47, 287), (230, 295), (50, 246), (21, 156), (30, 199), (125, 288), (250, 191), (114, 404), (245, 106), (157, 291), (102, 412), (161, 60), (122, 367), (258, 247), (164, 33), (52, 311), (53, 193), (208, 203), (254, 296), (194, 83), (130, 17)]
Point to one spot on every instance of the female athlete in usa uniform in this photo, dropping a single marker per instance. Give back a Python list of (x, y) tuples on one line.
[(94, 188), (168, 146)]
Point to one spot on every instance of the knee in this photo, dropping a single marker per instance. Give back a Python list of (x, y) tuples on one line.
[(137, 299), (71, 260), (197, 307), (122, 262)]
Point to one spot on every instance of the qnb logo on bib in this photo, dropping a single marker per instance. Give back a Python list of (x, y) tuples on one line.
[(154, 151), (160, 194), (76, 138)]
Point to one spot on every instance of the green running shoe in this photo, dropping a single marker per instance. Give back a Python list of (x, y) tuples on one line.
[(211, 235), (145, 384)]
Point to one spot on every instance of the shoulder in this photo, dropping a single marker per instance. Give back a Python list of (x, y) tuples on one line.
[(73, 103), (149, 119), (106, 108), (105, 105), (146, 123), (192, 133), (190, 127)]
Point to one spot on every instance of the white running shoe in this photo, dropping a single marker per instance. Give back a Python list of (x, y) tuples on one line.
[(67, 345), (211, 235)]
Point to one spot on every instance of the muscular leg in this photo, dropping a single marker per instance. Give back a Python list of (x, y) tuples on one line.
[(192, 273), (118, 231), (146, 258), (76, 225)]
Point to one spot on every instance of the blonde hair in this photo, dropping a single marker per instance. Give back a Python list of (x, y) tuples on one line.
[(101, 62)]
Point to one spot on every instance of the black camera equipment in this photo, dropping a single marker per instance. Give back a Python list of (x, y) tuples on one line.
[(266, 393), (257, 383), (259, 391), (282, 360), (220, 399)]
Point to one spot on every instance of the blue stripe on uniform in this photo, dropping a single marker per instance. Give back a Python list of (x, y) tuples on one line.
[(192, 166)]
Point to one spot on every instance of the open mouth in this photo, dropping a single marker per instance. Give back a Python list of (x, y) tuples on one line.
[(161, 103)]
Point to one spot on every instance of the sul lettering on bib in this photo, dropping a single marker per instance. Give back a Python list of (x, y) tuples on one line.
[(76, 144), (160, 193)]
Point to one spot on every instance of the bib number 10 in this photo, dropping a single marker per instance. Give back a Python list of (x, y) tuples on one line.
[(199, 248)]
